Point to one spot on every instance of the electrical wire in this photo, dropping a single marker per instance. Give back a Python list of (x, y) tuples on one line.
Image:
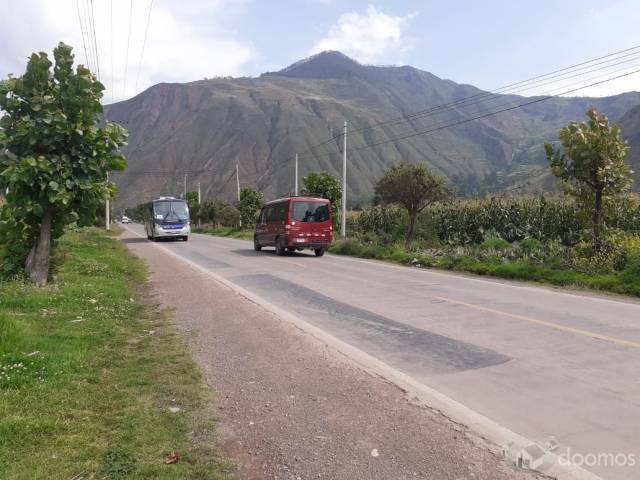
[(111, 52), (144, 43), (480, 97), (84, 44), (126, 57), (446, 125), (95, 39)]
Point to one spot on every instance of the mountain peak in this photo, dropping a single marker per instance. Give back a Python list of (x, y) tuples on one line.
[(327, 64)]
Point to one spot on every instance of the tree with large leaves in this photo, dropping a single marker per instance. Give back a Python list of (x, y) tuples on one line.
[(325, 185), (591, 165), (250, 203), (54, 155), (415, 187)]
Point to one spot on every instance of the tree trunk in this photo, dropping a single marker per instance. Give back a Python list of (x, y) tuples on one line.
[(597, 221), (411, 228), (37, 264)]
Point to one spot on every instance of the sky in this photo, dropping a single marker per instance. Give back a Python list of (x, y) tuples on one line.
[(487, 44)]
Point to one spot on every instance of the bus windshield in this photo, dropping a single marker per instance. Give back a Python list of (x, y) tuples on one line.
[(310, 211), (171, 211)]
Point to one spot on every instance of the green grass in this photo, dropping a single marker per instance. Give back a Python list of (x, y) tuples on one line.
[(225, 232), (625, 282), (87, 373)]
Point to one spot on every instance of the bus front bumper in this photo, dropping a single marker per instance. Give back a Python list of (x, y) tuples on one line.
[(160, 231)]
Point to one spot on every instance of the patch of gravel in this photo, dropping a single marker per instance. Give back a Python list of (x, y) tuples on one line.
[(292, 408)]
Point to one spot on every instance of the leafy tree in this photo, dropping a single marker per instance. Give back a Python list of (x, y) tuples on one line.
[(228, 216), (250, 202), (415, 187), (54, 155), (194, 206), (208, 211), (327, 186), (591, 165)]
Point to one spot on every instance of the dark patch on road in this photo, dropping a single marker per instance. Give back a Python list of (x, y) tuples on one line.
[(203, 260), (409, 349)]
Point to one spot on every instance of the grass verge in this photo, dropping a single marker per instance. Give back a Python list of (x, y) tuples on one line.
[(225, 232), (625, 282), (88, 373)]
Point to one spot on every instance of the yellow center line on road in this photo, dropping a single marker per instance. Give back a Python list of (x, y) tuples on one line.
[(557, 326)]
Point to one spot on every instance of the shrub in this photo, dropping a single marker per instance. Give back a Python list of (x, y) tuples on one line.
[(347, 246), (530, 244), (495, 244), (229, 216)]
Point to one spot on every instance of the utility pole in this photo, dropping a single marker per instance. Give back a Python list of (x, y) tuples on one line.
[(199, 195), (184, 187), (296, 179), (343, 230), (107, 220), (238, 184)]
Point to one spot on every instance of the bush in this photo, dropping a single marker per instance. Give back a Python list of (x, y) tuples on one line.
[(229, 216), (495, 244), (530, 244), (347, 246)]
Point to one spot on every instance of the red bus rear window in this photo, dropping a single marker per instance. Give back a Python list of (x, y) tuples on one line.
[(310, 211)]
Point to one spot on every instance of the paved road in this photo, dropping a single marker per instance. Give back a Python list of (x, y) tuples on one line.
[(540, 362)]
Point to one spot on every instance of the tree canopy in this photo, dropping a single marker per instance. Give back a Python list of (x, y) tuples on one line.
[(591, 163), (249, 204), (54, 156), (324, 185), (415, 187)]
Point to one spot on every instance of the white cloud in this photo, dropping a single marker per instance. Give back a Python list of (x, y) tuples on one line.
[(186, 41), (369, 37)]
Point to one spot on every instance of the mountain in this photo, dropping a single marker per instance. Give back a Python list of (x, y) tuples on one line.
[(206, 127), (630, 126)]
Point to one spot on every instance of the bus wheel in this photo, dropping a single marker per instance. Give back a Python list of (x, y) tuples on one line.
[(280, 248), (319, 252), (185, 238)]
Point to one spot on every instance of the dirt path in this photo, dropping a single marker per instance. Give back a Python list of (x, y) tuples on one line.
[(292, 408)]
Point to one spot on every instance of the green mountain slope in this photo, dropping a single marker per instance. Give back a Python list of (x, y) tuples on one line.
[(259, 123), (630, 126)]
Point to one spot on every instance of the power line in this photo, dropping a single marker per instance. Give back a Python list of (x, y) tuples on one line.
[(144, 43), (84, 44), (87, 23), (505, 90), (550, 93), (524, 104), (95, 39), (478, 98), (111, 52), (126, 57), (445, 125)]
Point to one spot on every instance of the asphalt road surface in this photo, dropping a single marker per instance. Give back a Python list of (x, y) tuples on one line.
[(541, 362)]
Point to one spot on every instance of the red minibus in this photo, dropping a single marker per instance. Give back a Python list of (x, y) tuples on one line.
[(294, 223)]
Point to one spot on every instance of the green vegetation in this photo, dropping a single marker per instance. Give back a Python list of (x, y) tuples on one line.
[(592, 165), (325, 185), (249, 205), (231, 232), (415, 187), (617, 270), (88, 373), (54, 158)]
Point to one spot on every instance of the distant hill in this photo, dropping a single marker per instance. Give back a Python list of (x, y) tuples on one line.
[(260, 123), (630, 126)]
